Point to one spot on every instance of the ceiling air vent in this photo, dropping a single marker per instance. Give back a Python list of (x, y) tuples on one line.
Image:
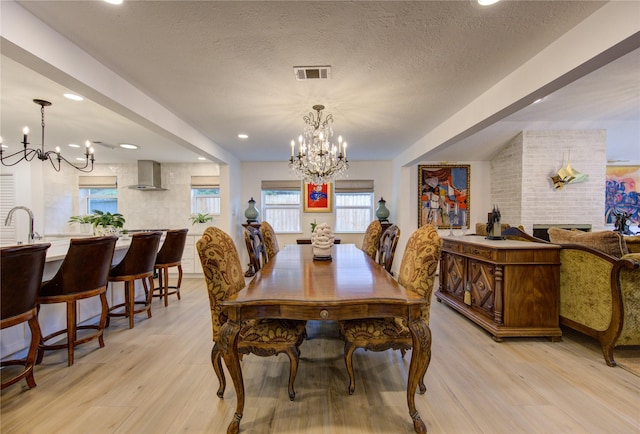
[(312, 72)]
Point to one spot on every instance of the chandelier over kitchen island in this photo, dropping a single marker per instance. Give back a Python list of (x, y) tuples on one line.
[(319, 160), (54, 157)]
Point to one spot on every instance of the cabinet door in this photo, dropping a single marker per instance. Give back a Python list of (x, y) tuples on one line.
[(454, 275), (482, 285)]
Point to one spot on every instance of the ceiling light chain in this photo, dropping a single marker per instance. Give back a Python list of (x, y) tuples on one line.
[(318, 159), (54, 157)]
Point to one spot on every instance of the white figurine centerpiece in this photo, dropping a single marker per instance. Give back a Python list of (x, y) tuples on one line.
[(321, 241)]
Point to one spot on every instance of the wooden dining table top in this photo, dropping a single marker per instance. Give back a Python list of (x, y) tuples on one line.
[(293, 276)]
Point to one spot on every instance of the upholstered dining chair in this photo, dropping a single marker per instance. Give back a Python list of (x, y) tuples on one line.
[(371, 241), (270, 240), (170, 255), (224, 278), (255, 248), (138, 264), (83, 274), (21, 277), (416, 275), (388, 244)]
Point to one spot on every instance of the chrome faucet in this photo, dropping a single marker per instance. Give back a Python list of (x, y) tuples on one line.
[(7, 222)]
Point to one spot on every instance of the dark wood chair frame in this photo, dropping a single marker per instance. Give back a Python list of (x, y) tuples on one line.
[(137, 264), (170, 255), (22, 268)]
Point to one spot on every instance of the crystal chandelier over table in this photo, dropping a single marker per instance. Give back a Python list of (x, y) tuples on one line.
[(54, 157), (319, 160)]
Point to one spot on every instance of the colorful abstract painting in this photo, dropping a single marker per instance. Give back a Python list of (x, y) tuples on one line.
[(622, 193), (443, 195)]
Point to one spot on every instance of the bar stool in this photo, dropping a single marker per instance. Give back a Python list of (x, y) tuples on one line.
[(137, 264), (83, 274), (21, 277), (170, 255)]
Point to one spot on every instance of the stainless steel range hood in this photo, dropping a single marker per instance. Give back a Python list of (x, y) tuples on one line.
[(149, 178)]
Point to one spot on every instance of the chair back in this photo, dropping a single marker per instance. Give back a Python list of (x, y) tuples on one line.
[(371, 241), (222, 271), (172, 247), (388, 244), (419, 264), (270, 240), (255, 247), (141, 256), (21, 277), (85, 267)]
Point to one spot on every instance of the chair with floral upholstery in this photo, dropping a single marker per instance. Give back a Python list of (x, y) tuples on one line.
[(270, 240), (254, 241), (265, 337), (416, 275), (371, 241), (388, 244)]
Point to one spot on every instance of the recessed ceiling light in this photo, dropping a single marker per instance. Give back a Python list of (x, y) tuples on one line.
[(202, 158), (114, 2), (73, 145), (128, 146), (243, 136), (537, 101), (80, 158), (73, 97), (4, 146), (487, 2)]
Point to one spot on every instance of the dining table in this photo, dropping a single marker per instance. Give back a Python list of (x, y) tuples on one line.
[(350, 285)]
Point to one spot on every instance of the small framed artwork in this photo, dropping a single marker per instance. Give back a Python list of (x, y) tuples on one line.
[(318, 197), (622, 194), (443, 195)]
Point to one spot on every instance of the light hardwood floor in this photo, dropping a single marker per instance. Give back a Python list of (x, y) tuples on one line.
[(157, 378)]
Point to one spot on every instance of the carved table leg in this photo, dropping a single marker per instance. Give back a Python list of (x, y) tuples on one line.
[(420, 358), (229, 348)]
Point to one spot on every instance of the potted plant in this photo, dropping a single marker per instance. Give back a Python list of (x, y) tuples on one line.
[(84, 221), (105, 223), (200, 218)]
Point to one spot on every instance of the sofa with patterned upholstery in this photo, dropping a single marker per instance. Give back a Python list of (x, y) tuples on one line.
[(599, 287)]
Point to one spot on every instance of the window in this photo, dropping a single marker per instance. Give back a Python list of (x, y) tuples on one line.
[(354, 205), (98, 193), (101, 199), (281, 205), (205, 195)]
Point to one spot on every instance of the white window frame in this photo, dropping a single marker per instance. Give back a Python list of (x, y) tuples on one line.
[(292, 187), (353, 187)]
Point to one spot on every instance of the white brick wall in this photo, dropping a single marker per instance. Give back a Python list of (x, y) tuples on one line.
[(528, 197)]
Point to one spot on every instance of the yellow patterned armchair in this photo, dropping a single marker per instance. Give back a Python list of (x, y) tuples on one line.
[(224, 277), (599, 292), (417, 274)]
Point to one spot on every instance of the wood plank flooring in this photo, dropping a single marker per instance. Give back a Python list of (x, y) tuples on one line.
[(157, 378)]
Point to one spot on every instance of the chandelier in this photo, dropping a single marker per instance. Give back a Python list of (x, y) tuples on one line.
[(319, 160), (54, 157)]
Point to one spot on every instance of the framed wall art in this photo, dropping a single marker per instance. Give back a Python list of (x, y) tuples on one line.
[(318, 197), (622, 194), (443, 195)]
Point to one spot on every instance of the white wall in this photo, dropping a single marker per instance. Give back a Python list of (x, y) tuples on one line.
[(168, 209), (253, 173)]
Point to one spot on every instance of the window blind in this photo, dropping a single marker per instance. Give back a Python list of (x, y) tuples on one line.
[(287, 185), (98, 181), (7, 201), (205, 181), (354, 186)]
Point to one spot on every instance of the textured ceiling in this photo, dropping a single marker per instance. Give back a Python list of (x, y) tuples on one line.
[(399, 68)]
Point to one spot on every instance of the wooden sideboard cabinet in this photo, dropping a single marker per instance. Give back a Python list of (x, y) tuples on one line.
[(508, 287)]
